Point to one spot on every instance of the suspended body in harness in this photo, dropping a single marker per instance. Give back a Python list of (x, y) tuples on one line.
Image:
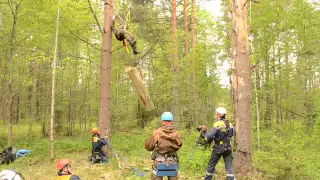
[(221, 135), (123, 34), (164, 144)]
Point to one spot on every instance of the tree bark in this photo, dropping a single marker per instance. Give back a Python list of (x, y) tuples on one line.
[(241, 86), (194, 93), (175, 65), (14, 7), (53, 85), (105, 71)]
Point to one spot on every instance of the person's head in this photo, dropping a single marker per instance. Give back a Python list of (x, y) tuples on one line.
[(95, 131), (10, 175), (166, 119), (203, 128), (221, 113), (64, 166)]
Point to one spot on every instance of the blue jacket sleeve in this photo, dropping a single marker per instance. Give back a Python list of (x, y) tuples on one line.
[(211, 134), (230, 132), (103, 141)]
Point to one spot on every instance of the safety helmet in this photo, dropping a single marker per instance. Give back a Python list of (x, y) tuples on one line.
[(167, 116), (61, 163), (95, 130), (221, 110)]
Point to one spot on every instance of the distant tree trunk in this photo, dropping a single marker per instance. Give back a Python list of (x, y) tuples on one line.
[(33, 97), (275, 84), (17, 108), (14, 6), (105, 71), (186, 51), (194, 93), (185, 19), (241, 86), (268, 111), (257, 106), (53, 86), (175, 65)]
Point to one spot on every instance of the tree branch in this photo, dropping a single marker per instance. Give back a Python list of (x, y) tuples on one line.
[(84, 41), (95, 17), (11, 8), (78, 57)]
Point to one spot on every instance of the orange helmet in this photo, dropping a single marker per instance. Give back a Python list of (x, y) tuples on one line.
[(61, 163), (95, 130)]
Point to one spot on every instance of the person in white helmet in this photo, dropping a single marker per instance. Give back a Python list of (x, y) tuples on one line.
[(221, 135), (10, 175)]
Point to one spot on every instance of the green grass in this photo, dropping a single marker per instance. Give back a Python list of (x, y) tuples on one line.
[(286, 158)]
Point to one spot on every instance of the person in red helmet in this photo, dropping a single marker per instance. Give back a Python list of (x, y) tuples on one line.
[(65, 171)]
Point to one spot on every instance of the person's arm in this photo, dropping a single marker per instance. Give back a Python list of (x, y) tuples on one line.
[(211, 134), (230, 132), (151, 142), (103, 141)]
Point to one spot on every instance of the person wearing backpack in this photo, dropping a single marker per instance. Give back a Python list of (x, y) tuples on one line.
[(221, 135)]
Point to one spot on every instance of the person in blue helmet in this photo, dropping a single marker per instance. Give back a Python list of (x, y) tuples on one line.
[(164, 144)]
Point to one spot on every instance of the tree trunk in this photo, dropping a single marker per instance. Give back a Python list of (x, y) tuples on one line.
[(257, 106), (175, 66), (53, 86), (10, 96), (241, 86), (185, 20), (33, 97), (268, 111), (194, 94), (105, 71)]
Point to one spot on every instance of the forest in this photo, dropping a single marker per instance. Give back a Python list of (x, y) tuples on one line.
[(63, 72)]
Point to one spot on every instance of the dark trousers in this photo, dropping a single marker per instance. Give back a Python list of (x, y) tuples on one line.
[(214, 159)]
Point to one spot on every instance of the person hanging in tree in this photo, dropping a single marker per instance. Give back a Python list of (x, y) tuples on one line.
[(123, 34)]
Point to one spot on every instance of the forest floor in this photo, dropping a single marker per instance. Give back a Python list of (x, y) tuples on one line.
[(134, 164), (135, 160)]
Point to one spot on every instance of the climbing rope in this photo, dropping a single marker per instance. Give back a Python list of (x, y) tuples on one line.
[(118, 156)]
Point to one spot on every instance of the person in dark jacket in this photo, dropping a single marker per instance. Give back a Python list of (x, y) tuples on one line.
[(7, 156), (97, 144), (221, 135)]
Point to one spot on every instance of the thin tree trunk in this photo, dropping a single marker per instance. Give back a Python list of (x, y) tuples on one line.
[(257, 107), (175, 65), (53, 86), (276, 92), (268, 111), (185, 19), (105, 71), (33, 97), (193, 68), (186, 51), (241, 86), (10, 97)]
